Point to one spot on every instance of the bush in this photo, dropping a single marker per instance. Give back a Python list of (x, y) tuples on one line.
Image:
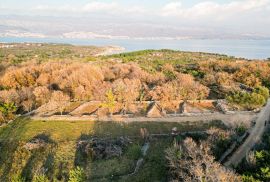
[(2, 118), (247, 100), (240, 130), (262, 91), (170, 75), (134, 152), (7, 111), (17, 178), (40, 178), (77, 175)]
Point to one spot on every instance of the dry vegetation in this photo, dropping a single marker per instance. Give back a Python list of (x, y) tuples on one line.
[(165, 76), (192, 162), (63, 78)]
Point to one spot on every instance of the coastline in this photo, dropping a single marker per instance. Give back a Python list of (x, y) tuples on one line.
[(109, 50), (248, 49)]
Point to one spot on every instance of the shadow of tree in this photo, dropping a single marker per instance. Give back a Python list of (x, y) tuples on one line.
[(81, 157), (49, 165), (41, 160), (9, 143), (97, 161)]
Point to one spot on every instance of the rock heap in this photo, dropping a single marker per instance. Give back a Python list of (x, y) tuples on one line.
[(35, 144), (98, 148)]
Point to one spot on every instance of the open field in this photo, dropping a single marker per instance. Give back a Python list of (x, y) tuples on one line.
[(59, 156)]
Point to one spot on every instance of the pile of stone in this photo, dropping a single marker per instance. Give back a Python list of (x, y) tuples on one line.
[(222, 106), (49, 109), (98, 148), (35, 144), (39, 141), (155, 111)]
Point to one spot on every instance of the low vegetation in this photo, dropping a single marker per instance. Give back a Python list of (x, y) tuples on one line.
[(189, 161), (249, 100), (7, 111), (151, 75), (38, 149)]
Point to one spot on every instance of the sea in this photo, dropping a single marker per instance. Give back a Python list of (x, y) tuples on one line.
[(249, 49)]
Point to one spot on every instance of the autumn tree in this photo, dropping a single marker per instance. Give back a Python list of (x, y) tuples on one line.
[(19, 77), (109, 102), (61, 99), (126, 91), (186, 88), (42, 95), (165, 94), (27, 98), (80, 94), (245, 76), (224, 79), (10, 96)]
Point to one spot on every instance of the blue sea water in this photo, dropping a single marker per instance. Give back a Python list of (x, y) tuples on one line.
[(250, 49)]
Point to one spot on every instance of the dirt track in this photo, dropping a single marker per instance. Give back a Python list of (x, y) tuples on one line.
[(255, 135), (228, 119)]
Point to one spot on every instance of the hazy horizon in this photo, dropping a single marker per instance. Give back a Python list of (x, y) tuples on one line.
[(119, 19)]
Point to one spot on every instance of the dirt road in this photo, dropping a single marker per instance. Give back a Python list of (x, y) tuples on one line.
[(254, 136), (228, 119)]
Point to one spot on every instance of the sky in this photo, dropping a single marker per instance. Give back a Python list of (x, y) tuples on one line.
[(136, 18)]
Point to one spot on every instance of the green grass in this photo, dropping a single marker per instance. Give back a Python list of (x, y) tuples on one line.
[(24, 129), (60, 156), (155, 166)]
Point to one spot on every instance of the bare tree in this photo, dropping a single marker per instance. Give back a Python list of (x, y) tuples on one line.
[(42, 94), (28, 105), (61, 99), (126, 91), (192, 162)]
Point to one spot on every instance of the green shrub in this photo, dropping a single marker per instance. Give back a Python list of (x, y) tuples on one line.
[(90, 59), (262, 91), (40, 178), (240, 130), (221, 146), (77, 175), (266, 83), (134, 152), (7, 111), (247, 100), (247, 178), (170, 75), (17, 178)]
